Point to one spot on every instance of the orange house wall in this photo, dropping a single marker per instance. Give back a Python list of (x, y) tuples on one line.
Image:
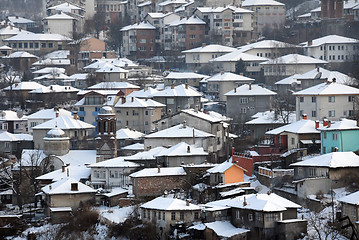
[(233, 174)]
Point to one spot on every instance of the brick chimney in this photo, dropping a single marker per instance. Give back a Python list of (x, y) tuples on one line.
[(304, 116), (57, 114), (316, 124), (75, 115), (250, 86), (325, 122), (244, 202), (158, 169), (172, 86), (187, 202), (235, 90), (74, 187), (63, 168), (329, 124), (336, 149), (188, 149)]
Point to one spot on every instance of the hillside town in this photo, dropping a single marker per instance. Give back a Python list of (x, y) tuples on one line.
[(179, 119)]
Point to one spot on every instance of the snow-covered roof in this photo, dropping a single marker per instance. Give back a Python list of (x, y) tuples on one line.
[(182, 149), (133, 102), (64, 7), (303, 126), (221, 168), (38, 37), (221, 9), (187, 21), (118, 62), (134, 147), (110, 68), (49, 114), (269, 117), (170, 204), (294, 59), (59, 54), (11, 137), (9, 115), (112, 85), (179, 131), (48, 70), (163, 171), (158, 14), (185, 75), (178, 91), (209, 116), (249, 3), (228, 77), (5, 47), (127, 133), (10, 30), (21, 54), (237, 55), (266, 44), (146, 3), (289, 80), (212, 48), (140, 25), (224, 229), (169, 2), (64, 122), (17, 19), (118, 162), (75, 172), (328, 89), (52, 62), (79, 76), (330, 39), (326, 74), (352, 198), (330, 160), (59, 16), (144, 93), (55, 88), (343, 124), (250, 90), (63, 186), (59, 76), (146, 155)]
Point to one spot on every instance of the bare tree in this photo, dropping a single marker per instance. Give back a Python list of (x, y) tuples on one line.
[(8, 79)]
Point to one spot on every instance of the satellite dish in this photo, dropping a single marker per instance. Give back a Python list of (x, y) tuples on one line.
[(2, 114), (19, 114), (318, 76)]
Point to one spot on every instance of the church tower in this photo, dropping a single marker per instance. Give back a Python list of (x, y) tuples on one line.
[(106, 134)]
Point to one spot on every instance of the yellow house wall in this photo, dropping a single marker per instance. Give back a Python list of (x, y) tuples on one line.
[(233, 174)]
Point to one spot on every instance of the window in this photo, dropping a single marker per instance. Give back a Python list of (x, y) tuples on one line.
[(351, 98), (43, 45), (301, 99), (31, 45), (25, 45), (325, 135), (351, 113), (192, 36), (332, 113), (250, 217), (181, 215), (243, 110), (144, 213), (331, 98), (335, 136), (238, 215), (163, 216), (159, 215), (293, 141), (20, 45), (173, 216), (196, 215), (314, 113), (314, 99), (324, 150), (142, 40), (244, 100)]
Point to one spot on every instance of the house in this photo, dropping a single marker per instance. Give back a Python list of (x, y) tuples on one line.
[(128, 136), (225, 24), (332, 48), (269, 15), (44, 115), (20, 22), (349, 208), (302, 133), (146, 158), (229, 61), (11, 144), (9, 31), (221, 83), (201, 56), (166, 212), (153, 182), (185, 33), (18, 92), (46, 95), (170, 5), (132, 149), (288, 65), (125, 87), (178, 78), (180, 154), (340, 136), (115, 13), (112, 173), (111, 73), (13, 122), (320, 174), (65, 8), (246, 100), (61, 23), (66, 192), (263, 122), (37, 43), (225, 173), (137, 113), (145, 46), (224, 230), (21, 60), (329, 100), (147, 92), (288, 85), (78, 131), (5, 51)]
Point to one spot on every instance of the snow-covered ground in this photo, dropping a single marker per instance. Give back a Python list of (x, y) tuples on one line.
[(116, 214)]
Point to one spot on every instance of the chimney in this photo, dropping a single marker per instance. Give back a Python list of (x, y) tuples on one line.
[(178, 108), (325, 122), (63, 168), (317, 69), (68, 172), (235, 90), (186, 85), (304, 116), (184, 124), (336, 149), (244, 202), (203, 45), (132, 99), (57, 114), (149, 148), (74, 187), (241, 74), (75, 115), (269, 192), (188, 149), (310, 43), (222, 72), (158, 169), (205, 162), (172, 86), (329, 124), (146, 99), (250, 86), (316, 124), (165, 193), (334, 80), (50, 187), (187, 202), (196, 108)]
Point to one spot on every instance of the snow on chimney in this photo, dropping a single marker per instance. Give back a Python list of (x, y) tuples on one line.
[(75, 115), (158, 169), (188, 149), (334, 80), (329, 124), (172, 86), (325, 122), (250, 86), (74, 187), (336, 149), (304, 116), (186, 85), (310, 43), (187, 202), (57, 114), (316, 124)]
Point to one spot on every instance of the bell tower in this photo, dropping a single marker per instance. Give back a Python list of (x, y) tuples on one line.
[(106, 134)]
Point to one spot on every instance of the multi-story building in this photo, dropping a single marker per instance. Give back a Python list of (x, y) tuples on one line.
[(227, 25), (268, 15), (333, 48), (329, 100), (61, 23), (139, 40), (114, 10)]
